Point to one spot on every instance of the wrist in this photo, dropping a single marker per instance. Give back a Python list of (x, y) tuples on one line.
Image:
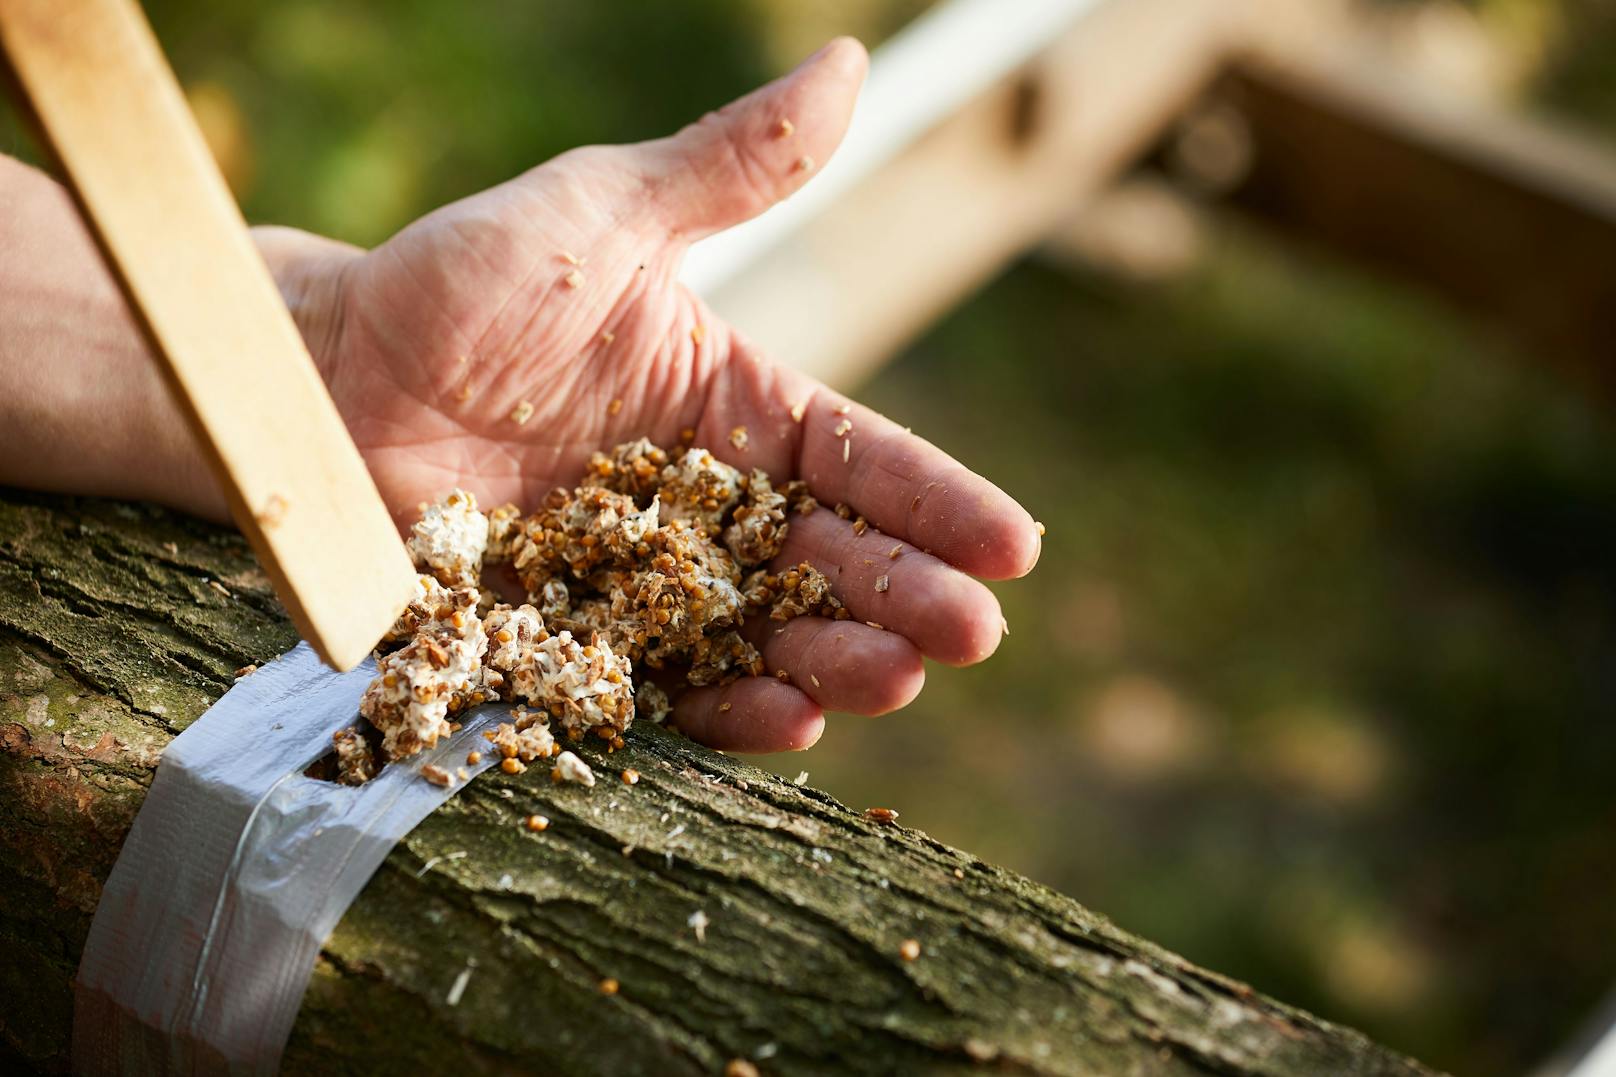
[(312, 274), (87, 409)]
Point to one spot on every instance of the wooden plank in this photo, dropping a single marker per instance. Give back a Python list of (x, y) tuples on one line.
[(912, 237), (1355, 149), (115, 117), (1509, 216), (929, 70)]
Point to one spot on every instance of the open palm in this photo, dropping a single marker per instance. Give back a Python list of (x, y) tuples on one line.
[(497, 342)]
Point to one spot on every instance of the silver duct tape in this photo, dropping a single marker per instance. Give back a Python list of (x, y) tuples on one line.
[(236, 870)]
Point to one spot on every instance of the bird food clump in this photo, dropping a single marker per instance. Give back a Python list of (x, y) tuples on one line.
[(652, 562), (449, 540)]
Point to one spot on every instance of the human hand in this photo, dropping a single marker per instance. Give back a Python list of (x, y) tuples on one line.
[(495, 343)]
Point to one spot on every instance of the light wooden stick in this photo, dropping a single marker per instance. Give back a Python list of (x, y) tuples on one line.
[(114, 114)]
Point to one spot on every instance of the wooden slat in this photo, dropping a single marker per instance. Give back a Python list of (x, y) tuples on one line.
[(1509, 216), (936, 65), (914, 236), (1355, 148), (115, 117)]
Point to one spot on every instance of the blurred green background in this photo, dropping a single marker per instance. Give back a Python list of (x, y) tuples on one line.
[(1315, 680)]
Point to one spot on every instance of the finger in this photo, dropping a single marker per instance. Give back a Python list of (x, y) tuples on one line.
[(912, 490), (753, 714), (947, 614), (733, 164), (842, 665), (903, 484)]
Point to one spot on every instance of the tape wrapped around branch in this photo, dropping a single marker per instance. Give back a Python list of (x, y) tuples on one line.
[(236, 870)]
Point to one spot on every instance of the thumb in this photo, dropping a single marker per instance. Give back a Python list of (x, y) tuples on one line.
[(733, 164)]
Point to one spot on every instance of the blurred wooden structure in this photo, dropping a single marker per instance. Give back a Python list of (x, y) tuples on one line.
[(1336, 143), (1286, 110), (1509, 217)]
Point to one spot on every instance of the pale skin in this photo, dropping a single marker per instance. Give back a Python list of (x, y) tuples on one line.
[(558, 289)]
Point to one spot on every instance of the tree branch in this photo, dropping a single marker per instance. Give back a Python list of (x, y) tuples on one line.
[(120, 624)]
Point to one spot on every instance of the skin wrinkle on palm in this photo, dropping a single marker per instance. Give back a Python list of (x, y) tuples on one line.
[(476, 294)]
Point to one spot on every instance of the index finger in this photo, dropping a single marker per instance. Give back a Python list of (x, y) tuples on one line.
[(910, 489)]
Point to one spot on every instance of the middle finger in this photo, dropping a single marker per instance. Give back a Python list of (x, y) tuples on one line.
[(947, 614)]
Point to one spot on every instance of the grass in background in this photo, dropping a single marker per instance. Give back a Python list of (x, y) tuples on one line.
[(1314, 679)]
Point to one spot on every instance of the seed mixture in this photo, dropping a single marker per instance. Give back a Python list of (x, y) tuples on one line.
[(653, 562)]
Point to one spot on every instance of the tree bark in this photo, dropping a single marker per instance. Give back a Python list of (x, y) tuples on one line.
[(120, 624)]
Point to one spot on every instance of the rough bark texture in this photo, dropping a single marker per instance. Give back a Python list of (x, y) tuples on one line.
[(115, 634)]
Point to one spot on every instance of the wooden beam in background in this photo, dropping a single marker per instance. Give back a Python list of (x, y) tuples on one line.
[(1510, 217), (929, 70), (1353, 149), (912, 237)]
